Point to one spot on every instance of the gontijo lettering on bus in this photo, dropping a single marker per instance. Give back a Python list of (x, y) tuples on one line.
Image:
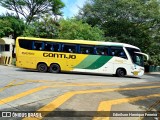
[(56, 55)]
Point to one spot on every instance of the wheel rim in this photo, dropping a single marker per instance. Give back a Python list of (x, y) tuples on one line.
[(42, 68), (121, 72), (54, 68)]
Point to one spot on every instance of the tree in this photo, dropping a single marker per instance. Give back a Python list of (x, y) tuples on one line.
[(130, 21), (47, 27), (73, 29), (102, 11), (11, 25), (141, 14), (31, 9)]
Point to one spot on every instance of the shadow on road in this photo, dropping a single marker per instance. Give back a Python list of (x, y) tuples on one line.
[(78, 73), (149, 104)]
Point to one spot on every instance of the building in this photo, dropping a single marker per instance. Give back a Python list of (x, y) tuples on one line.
[(7, 46)]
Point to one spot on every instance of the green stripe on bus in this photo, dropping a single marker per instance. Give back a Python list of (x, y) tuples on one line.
[(89, 60), (99, 62)]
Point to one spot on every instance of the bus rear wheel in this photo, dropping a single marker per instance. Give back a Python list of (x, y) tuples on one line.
[(54, 68), (42, 67), (120, 72)]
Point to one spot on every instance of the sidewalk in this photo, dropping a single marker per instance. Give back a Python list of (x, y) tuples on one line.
[(155, 73)]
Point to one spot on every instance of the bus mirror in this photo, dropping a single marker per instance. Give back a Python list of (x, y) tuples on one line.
[(147, 56)]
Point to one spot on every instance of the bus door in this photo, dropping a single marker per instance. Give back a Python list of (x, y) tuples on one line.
[(120, 59)]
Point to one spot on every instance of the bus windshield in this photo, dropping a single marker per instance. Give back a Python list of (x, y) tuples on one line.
[(136, 58)]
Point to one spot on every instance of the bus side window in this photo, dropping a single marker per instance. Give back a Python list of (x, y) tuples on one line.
[(102, 50), (86, 49), (118, 51), (38, 45), (69, 48), (26, 44), (48, 46), (56, 47)]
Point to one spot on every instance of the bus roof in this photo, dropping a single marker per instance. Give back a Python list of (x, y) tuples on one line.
[(81, 42)]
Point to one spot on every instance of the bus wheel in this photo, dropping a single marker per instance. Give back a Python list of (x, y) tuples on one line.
[(120, 72), (42, 67), (54, 68)]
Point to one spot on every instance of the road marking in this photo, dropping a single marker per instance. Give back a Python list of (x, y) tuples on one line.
[(153, 105), (8, 85), (151, 108), (107, 105), (23, 94), (83, 84), (63, 98), (14, 83)]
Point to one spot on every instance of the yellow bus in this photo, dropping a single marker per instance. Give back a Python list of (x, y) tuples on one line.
[(56, 55)]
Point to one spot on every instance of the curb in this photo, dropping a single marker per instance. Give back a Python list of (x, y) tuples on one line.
[(158, 73)]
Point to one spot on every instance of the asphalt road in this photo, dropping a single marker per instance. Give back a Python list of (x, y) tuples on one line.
[(74, 96)]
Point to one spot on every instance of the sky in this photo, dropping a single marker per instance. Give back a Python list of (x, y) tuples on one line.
[(71, 7)]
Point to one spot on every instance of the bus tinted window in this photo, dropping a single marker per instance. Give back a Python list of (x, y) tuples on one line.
[(136, 58), (56, 47), (48, 46), (101, 50), (38, 45), (131, 52), (118, 51), (86, 49), (69, 48), (26, 44)]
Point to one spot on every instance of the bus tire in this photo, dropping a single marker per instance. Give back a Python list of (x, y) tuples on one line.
[(42, 67), (120, 72), (54, 68)]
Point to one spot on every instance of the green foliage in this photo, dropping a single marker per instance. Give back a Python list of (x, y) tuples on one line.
[(47, 27), (11, 25), (154, 52), (64, 29), (130, 21), (154, 60), (31, 9), (73, 29), (4, 29), (29, 31)]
